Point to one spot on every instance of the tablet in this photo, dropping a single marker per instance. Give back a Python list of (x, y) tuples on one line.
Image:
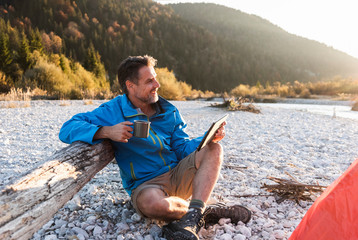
[(211, 132)]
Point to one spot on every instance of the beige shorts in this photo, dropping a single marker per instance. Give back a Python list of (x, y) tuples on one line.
[(176, 182)]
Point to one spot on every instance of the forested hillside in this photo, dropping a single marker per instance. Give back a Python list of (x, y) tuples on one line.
[(208, 46), (266, 49)]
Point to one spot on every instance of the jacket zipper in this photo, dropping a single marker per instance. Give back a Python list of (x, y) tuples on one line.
[(161, 145), (132, 171), (161, 148)]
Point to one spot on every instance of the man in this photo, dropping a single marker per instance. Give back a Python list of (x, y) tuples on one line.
[(162, 171)]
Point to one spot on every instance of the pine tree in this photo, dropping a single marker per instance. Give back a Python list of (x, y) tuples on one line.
[(93, 62), (24, 53), (35, 41), (5, 54), (62, 63)]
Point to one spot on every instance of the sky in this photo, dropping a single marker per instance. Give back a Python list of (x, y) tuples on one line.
[(332, 22)]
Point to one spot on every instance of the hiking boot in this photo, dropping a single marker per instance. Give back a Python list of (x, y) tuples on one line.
[(186, 228), (236, 213)]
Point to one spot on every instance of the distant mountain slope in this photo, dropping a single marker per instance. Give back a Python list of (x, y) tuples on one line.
[(267, 47), (208, 46)]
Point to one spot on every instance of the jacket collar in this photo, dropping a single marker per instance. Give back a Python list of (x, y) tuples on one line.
[(129, 110)]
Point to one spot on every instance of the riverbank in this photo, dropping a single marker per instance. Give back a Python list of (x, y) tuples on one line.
[(311, 147)]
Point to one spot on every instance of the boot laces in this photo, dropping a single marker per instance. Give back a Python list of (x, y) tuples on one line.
[(194, 216)]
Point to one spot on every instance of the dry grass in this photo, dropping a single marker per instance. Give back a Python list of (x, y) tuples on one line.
[(87, 102), (11, 104), (16, 98), (64, 103), (16, 94)]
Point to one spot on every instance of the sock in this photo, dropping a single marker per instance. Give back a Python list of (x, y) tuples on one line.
[(198, 204)]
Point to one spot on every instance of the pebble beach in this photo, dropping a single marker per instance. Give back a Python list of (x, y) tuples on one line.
[(279, 142)]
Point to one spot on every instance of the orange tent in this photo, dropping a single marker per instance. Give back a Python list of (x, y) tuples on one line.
[(334, 215)]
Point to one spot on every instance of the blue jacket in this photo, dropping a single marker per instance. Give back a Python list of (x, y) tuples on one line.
[(141, 159)]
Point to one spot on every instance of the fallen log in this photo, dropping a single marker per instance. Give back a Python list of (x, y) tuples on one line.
[(30, 202)]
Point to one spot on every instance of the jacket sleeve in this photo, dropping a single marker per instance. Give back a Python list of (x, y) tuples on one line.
[(180, 142), (83, 126)]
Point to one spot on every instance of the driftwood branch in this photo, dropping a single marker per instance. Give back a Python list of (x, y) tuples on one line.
[(240, 104), (240, 168), (30, 202), (292, 189)]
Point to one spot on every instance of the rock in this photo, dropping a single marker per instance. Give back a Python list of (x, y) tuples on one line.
[(81, 237), (62, 231), (71, 225), (226, 236), (138, 237), (287, 224), (83, 225), (122, 227), (224, 221), (75, 203), (244, 230), (148, 237), (91, 220), (239, 237), (279, 234), (125, 214), (291, 214), (97, 230), (229, 228), (135, 217), (59, 223), (48, 225), (72, 237), (265, 234), (272, 210), (51, 237), (79, 231), (105, 224), (253, 208), (89, 228), (260, 221), (155, 231)]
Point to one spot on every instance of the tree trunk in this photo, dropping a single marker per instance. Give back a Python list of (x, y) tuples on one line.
[(29, 203)]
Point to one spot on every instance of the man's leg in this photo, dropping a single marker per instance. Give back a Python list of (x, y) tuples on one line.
[(208, 162), (153, 203)]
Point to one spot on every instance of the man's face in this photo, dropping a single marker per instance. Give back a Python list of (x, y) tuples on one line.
[(146, 88)]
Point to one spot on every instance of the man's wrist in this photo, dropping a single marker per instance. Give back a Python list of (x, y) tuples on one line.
[(101, 133)]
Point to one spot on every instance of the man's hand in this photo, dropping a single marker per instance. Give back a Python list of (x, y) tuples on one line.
[(119, 133), (220, 133)]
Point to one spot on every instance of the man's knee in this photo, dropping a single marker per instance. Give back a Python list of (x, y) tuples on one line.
[(216, 149), (217, 152), (150, 202), (213, 152)]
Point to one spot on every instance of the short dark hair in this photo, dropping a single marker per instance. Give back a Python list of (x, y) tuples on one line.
[(129, 68)]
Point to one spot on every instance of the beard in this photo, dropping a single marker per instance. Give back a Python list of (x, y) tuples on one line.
[(149, 99)]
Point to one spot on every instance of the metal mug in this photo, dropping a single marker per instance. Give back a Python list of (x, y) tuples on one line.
[(141, 128)]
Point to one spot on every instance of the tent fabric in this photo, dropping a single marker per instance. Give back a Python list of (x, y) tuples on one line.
[(334, 215)]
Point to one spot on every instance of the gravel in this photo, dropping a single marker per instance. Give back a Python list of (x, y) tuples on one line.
[(311, 147)]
